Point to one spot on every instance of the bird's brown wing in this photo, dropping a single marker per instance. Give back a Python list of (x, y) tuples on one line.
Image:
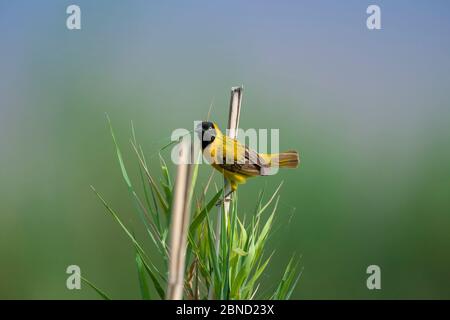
[(248, 170), (246, 161)]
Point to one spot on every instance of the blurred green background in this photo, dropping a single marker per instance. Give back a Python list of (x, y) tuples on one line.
[(369, 112)]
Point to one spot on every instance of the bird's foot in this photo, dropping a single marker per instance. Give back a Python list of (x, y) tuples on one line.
[(222, 201)]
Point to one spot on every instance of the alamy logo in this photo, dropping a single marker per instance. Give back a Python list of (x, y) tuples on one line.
[(74, 280), (73, 21), (218, 148), (373, 22), (374, 280)]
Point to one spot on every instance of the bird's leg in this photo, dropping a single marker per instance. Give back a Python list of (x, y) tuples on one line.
[(225, 199)]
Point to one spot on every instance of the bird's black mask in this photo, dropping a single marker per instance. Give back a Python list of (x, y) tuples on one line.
[(208, 133)]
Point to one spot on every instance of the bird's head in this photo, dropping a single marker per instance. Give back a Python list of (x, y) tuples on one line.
[(206, 132)]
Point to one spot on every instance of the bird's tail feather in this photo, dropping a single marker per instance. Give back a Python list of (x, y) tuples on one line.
[(287, 159)]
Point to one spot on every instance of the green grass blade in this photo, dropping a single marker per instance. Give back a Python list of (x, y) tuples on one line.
[(270, 200), (259, 201), (285, 285), (166, 183), (294, 285), (245, 270), (165, 171), (150, 268), (145, 294), (152, 275), (265, 230), (117, 219), (137, 203), (95, 288), (152, 182), (153, 212), (213, 257), (248, 290), (119, 154), (199, 218)]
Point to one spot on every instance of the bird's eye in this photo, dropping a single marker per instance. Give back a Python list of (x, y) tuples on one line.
[(208, 135)]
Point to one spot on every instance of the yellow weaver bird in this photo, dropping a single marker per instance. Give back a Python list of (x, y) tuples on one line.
[(236, 161)]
